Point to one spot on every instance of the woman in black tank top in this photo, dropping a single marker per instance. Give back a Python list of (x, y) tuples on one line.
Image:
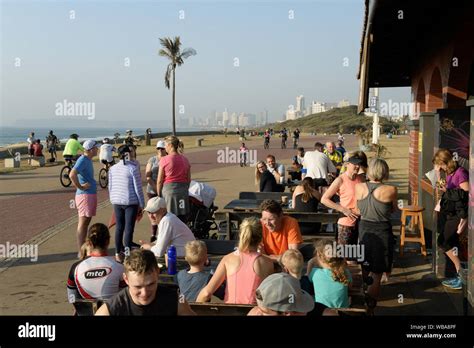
[(306, 199)]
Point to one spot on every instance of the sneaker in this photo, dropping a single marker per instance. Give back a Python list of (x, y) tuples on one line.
[(453, 283)]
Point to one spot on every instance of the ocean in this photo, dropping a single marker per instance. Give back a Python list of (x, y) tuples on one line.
[(15, 135)]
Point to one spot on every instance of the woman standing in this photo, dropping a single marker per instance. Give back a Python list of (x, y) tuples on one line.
[(452, 216), (126, 196), (264, 180), (376, 202), (344, 187), (244, 269), (174, 176), (151, 173)]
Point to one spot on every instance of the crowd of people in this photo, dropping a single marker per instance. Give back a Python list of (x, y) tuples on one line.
[(267, 266)]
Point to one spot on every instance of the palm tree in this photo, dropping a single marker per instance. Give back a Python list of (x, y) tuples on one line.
[(172, 50)]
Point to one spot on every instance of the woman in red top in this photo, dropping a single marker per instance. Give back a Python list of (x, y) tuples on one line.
[(37, 148), (174, 177)]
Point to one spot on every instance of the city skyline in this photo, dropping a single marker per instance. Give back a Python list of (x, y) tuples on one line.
[(105, 54)]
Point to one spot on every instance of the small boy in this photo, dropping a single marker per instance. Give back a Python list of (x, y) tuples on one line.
[(292, 263), (243, 155), (192, 281)]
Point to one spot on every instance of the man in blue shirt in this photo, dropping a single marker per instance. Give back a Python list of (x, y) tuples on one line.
[(82, 177)]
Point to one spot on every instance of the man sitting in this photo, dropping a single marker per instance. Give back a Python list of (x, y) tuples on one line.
[(171, 230), (278, 170), (334, 155), (144, 296), (318, 166), (280, 232)]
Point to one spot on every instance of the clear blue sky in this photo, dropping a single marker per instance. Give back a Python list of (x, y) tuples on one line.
[(81, 60)]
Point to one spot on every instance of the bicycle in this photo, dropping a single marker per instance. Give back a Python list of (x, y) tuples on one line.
[(64, 178), (104, 174), (266, 143)]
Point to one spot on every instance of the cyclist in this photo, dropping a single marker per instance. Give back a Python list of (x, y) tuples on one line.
[(296, 138), (72, 147), (106, 156), (266, 137)]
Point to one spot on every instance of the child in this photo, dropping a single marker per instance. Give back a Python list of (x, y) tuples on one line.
[(292, 263), (192, 281), (243, 155), (330, 278)]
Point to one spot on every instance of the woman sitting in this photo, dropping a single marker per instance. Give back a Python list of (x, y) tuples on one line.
[(264, 180), (244, 269), (306, 199)]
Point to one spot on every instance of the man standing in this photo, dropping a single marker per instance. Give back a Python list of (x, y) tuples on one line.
[(51, 143), (31, 140), (82, 177), (318, 165), (334, 155)]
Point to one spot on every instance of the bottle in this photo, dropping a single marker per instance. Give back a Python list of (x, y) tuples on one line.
[(172, 260)]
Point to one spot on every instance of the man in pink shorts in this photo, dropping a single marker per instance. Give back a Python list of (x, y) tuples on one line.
[(82, 177)]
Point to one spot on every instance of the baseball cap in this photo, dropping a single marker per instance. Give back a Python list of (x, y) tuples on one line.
[(90, 144), (355, 160), (160, 144), (282, 292), (154, 204)]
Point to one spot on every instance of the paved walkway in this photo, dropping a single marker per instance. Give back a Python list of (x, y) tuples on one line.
[(36, 209)]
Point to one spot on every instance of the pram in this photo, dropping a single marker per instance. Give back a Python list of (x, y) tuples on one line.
[(201, 201)]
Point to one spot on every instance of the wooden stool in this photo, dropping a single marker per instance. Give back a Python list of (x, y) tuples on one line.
[(416, 214)]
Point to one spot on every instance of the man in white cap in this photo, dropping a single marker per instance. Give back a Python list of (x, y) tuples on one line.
[(171, 230), (281, 294), (82, 177)]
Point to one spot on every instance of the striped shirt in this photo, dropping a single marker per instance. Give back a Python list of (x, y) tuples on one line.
[(125, 184)]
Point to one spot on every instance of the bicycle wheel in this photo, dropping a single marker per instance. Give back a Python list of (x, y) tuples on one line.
[(103, 178), (64, 176)]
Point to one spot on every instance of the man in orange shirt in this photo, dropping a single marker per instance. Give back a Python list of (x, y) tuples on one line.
[(280, 232)]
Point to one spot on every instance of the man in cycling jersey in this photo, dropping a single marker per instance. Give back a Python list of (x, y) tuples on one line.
[(72, 147), (106, 153)]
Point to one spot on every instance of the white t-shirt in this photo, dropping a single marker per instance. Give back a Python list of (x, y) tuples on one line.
[(172, 231), (318, 165), (106, 152)]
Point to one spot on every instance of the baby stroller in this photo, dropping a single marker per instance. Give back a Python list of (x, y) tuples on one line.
[(201, 201)]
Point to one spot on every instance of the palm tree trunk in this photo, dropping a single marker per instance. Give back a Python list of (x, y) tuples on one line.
[(174, 102)]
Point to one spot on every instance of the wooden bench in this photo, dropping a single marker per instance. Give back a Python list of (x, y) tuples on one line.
[(220, 309), (229, 216), (276, 196)]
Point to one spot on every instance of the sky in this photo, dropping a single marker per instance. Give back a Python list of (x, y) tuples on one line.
[(283, 49)]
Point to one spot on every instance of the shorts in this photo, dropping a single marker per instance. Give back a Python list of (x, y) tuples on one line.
[(379, 242), (52, 149), (86, 204), (31, 152), (448, 237), (347, 234)]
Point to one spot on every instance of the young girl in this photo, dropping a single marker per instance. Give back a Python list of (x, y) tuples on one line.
[(329, 275)]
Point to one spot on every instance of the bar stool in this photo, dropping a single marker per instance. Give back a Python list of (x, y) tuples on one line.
[(416, 214)]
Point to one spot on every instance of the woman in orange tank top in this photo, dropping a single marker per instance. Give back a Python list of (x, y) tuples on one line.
[(344, 187), (244, 269)]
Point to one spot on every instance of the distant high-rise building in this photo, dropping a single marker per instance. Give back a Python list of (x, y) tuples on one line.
[(234, 121), (291, 114), (317, 107), (343, 103), (300, 104), (225, 118)]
